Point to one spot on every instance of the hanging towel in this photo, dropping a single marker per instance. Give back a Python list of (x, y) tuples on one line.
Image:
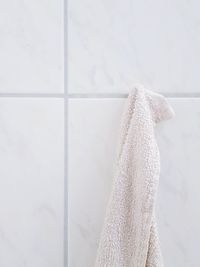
[(129, 237)]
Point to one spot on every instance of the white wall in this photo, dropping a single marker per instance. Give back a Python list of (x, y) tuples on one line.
[(112, 45)]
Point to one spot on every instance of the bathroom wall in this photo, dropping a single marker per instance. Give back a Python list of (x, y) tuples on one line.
[(111, 46), (31, 134)]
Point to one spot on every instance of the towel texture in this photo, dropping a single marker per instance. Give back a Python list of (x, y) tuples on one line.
[(129, 237)]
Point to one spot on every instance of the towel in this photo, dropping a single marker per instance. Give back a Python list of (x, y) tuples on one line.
[(129, 237)]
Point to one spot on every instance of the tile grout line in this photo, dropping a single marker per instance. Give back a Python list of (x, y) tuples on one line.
[(123, 95), (89, 95), (65, 182)]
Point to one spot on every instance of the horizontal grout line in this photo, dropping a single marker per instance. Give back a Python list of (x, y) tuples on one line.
[(90, 95), (121, 95), (35, 95)]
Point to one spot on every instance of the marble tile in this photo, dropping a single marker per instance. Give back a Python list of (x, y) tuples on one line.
[(31, 47), (93, 133), (178, 213), (31, 184), (93, 127), (113, 44)]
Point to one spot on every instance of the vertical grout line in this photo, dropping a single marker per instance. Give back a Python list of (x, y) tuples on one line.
[(65, 247)]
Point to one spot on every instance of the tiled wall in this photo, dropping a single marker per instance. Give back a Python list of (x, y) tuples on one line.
[(112, 45), (31, 134)]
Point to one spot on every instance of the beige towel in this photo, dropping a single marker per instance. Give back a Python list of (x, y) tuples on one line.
[(129, 236)]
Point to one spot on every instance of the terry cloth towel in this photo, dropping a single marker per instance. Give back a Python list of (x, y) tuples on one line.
[(129, 237)]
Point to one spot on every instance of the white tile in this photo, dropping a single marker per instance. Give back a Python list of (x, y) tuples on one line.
[(113, 44), (93, 126), (93, 131), (179, 215), (31, 183), (31, 47)]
